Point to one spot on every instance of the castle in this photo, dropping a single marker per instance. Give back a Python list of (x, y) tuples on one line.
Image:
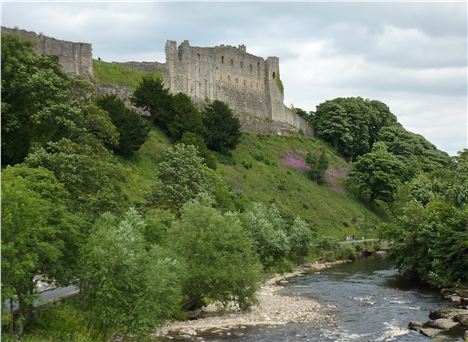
[(248, 83)]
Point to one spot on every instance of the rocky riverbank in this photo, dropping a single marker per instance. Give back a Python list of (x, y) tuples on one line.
[(448, 318), (273, 308)]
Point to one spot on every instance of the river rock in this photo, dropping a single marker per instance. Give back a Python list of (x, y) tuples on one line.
[(456, 300), (415, 325), (429, 332), (463, 319), (464, 302), (187, 332), (446, 313), (380, 253), (442, 323)]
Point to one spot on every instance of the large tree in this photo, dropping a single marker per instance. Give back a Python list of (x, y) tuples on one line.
[(377, 174)]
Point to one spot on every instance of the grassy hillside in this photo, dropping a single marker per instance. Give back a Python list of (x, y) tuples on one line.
[(256, 171), (109, 73)]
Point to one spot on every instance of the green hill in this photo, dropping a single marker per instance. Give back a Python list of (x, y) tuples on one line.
[(256, 171)]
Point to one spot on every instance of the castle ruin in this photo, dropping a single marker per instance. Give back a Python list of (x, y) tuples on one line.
[(248, 83)]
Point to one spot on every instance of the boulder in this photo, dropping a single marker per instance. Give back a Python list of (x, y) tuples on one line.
[(446, 313), (463, 319), (442, 323), (187, 332), (429, 332), (415, 325), (456, 300)]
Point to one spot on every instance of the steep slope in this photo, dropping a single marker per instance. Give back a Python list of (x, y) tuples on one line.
[(269, 169)]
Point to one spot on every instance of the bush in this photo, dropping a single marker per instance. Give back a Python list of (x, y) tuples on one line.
[(318, 163), (219, 254), (133, 129), (222, 127), (124, 287), (196, 140)]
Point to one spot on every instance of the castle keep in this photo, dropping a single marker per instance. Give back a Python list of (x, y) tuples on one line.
[(248, 83)]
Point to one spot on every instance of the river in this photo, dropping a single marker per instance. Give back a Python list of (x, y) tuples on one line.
[(368, 299)]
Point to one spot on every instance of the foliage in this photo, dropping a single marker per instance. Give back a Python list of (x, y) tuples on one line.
[(152, 96), (133, 130), (377, 174), (352, 124), (219, 254), (430, 229), (318, 163), (124, 287), (36, 99), (113, 73), (279, 83), (222, 127), (184, 117), (196, 140), (38, 234), (157, 224), (275, 238), (307, 116), (181, 177), (88, 173), (413, 149)]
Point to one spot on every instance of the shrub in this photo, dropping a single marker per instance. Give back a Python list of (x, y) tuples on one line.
[(219, 254), (318, 165), (190, 138)]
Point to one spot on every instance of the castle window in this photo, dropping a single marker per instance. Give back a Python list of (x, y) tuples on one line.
[(222, 59), (199, 57), (273, 75), (232, 62), (242, 65), (250, 67), (258, 68)]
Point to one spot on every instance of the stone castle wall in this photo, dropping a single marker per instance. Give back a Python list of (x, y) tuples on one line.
[(246, 82), (76, 58)]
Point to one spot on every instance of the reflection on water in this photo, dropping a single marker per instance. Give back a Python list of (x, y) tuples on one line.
[(369, 300)]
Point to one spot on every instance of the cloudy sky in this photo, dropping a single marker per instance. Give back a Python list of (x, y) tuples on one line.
[(412, 56)]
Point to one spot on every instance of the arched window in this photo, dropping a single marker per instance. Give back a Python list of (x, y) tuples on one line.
[(273, 75), (258, 68)]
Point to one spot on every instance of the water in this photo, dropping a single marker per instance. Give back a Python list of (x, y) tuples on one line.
[(369, 300)]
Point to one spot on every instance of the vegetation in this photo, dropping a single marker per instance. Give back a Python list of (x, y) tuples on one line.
[(219, 254), (113, 73)]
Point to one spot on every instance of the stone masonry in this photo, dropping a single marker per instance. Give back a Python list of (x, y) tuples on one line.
[(248, 83), (76, 58)]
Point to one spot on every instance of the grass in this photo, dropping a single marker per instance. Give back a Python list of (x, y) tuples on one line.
[(109, 73), (255, 172)]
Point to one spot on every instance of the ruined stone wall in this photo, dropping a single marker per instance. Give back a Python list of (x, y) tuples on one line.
[(149, 67), (76, 58), (246, 82)]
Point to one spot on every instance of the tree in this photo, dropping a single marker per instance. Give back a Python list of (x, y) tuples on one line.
[(152, 96), (88, 173), (181, 177), (125, 288), (38, 235), (299, 239), (268, 229), (377, 174), (196, 140), (132, 128), (318, 163), (222, 127), (184, 117), (219, 255)]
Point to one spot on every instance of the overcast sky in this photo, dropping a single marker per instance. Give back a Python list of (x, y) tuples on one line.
[(412, 56)]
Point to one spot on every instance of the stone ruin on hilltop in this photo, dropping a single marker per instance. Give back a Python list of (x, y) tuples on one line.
[(248, 83)]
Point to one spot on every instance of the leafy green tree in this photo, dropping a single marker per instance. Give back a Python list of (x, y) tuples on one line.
[(351, 124), (268, 229), (219, 255), (181, 177), (132, 128), (125, 288), (152, 96), (88, 173), (39, 235), (377, 174), (222, 127), (184, 117), (299, 239), (196, 140)]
